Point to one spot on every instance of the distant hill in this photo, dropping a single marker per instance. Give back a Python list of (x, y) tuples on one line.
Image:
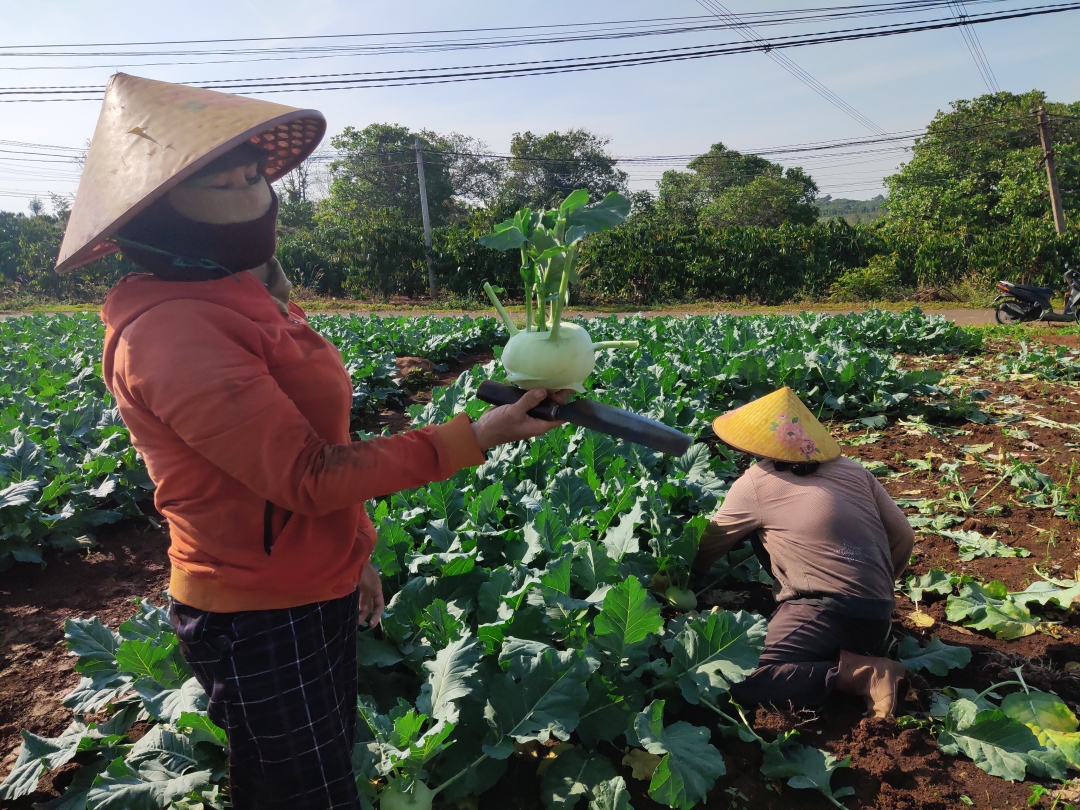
[(856, 212)]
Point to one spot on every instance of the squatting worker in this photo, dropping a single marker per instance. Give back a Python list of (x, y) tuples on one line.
[(835, 542), (241, 412)]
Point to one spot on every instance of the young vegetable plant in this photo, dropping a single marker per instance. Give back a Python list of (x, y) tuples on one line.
[(549, 353)]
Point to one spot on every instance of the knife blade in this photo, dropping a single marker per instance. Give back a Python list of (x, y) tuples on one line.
[(596, 416)]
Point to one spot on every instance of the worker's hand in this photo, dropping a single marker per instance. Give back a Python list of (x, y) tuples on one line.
[(372, 602), (511, 423)]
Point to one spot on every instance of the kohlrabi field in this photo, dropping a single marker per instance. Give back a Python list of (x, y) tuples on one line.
[(529, 657)]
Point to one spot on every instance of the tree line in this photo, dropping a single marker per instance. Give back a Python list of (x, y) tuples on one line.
[(970, 205)]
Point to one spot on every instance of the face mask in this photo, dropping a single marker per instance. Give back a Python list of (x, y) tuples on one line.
[(175, 248)]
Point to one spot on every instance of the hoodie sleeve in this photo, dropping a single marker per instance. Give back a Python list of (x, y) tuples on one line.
[(199, 368)]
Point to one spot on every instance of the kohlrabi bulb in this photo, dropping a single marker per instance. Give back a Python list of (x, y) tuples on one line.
[(533, 360), (419, 798)]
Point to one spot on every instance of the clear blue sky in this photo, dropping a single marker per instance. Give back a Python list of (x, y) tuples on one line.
[(745, 101)]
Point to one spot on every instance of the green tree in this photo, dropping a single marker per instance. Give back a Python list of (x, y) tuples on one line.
[(765, 202), (726, 188), (376, 175), (544, 169), (974, 200)]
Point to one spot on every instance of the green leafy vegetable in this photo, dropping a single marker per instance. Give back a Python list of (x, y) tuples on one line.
[(936, 657), (690, 765)]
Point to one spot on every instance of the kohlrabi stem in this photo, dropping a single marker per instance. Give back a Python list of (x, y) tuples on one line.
[(614, 344), (509, 324), (528, 289), (745, 724), (459, 774), (556, 305), (986, 692)]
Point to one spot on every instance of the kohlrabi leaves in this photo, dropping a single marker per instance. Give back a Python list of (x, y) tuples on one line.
[(1062, 596), (36, 755), (539, 699), (121, 787), (451, 676), (628, 618), (935, 581), (936, 657), (167, 705), (506, 237), (573, 776), (712, 652), (620, 539), (690, 765), (988, 607), (996, 743), (971, 544), (603, 215), (803, 767), (93, 643), (1050, 719), (611, 795), (499, 577)]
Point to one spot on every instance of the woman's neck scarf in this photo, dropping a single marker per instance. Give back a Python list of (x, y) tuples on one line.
[(175, 248)]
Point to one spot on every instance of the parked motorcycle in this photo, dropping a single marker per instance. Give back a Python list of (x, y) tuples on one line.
[(1025, 302)]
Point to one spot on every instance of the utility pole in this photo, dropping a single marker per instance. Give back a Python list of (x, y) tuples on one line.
[(432, 289), (1051, 173)]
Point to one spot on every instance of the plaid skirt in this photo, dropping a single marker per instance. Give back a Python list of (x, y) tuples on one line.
[(282, 683)]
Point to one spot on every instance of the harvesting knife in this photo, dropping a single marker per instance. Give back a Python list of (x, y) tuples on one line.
[(595, 416)]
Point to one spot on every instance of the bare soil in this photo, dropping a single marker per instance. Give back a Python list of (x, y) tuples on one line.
[(891, 769)]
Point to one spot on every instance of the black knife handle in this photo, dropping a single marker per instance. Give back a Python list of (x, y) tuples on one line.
[(498, 394)]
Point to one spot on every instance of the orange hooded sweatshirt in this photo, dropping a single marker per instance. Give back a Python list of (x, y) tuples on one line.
[(242, 417)]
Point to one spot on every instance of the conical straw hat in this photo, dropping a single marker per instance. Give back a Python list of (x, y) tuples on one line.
[(777, 426), (152, 135)]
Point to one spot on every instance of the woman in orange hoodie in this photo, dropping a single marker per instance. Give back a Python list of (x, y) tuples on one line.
[(241, 412)]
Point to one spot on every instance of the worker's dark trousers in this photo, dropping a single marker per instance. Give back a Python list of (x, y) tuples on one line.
[(799, 665), (282, 683)]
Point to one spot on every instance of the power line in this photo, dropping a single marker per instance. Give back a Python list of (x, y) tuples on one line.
[(723, 13), (423, 76), (974, 46), (584, 31)]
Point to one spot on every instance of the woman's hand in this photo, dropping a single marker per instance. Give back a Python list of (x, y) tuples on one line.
[(371, 595), (511, 423)]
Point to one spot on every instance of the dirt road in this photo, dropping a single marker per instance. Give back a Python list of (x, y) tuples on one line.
[(964, 317)]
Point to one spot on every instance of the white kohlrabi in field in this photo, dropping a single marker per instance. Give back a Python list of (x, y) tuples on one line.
[(549, 353)]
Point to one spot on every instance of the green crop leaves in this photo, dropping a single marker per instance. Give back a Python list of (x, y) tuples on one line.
[(991, 606), (628, 618), (997, 743), (971, 544), (690, 765), (451, 676), (710, 654), (519, 618), (804, 767), (537, 699), (576, 775), (136, 673), (1050, 719), (936, 657)]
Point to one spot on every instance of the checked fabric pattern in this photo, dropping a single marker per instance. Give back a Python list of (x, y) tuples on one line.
[(282, 683)]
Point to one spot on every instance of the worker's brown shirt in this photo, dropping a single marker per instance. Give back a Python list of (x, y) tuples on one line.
[(836, 532)]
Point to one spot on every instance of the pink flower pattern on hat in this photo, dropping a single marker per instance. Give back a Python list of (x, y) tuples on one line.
[(790, 433)]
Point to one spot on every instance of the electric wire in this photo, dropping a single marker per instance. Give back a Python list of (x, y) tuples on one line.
[(425, 76), (590, 31), (750, 35), (974, 46)]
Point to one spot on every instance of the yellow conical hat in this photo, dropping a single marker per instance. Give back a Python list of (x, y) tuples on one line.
[(152, 135), (777, 426)]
